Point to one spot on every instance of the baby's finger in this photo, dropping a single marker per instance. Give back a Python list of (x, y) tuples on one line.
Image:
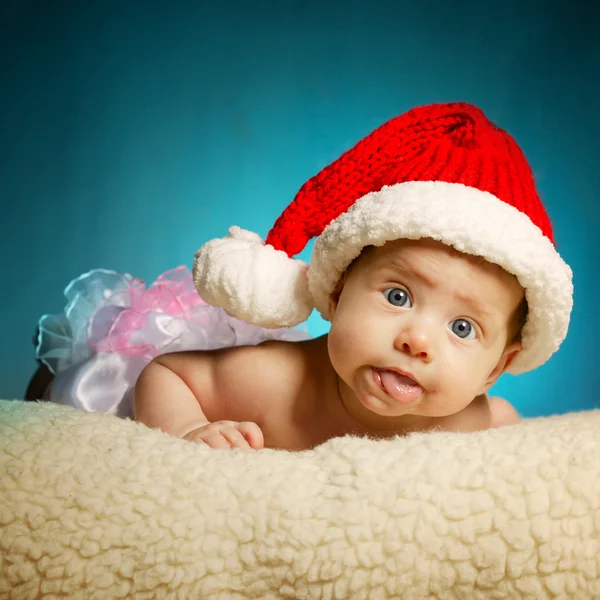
[(235, 438), (217, 441), (252, 433)]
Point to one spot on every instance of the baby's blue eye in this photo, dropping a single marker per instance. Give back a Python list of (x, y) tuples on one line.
[(463, 329), (398, 297)]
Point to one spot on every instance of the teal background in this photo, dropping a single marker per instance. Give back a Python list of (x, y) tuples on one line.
[(131, 132)]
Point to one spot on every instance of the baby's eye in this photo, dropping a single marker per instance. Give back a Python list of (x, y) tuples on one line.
[(463, 329), (398, 297)]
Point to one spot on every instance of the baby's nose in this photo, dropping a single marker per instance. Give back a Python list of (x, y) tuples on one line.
[(416, 341)]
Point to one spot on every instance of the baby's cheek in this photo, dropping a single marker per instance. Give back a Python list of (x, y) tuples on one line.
[(335, 339), (459, 385), (342, 339)]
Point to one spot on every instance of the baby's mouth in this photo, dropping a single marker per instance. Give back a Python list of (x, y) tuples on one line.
[(401, 388)]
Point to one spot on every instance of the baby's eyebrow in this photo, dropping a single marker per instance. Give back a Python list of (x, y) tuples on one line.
[(479, 307), (398, 268)]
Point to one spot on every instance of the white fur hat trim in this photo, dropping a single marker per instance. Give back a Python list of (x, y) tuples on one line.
[(252, 281), (471, 221)]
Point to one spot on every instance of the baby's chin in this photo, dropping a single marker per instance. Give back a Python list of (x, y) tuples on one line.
[(423, 407), (386, 408)]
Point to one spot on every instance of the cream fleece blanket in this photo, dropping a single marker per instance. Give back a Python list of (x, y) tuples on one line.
[(92, 506)]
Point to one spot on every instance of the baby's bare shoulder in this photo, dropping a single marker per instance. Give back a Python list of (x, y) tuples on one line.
[(502, 412), (267, 364), (484, 412), (254, 378)]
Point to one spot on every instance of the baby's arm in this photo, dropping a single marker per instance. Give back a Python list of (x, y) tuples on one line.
[(171, 391), (163, 399)]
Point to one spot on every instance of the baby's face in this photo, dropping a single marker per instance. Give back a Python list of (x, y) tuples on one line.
[(421, 329)]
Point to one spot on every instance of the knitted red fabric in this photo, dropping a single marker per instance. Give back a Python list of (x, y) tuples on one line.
[(453, 143)]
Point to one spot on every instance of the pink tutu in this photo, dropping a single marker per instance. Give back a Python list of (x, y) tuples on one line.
[(112, 326)]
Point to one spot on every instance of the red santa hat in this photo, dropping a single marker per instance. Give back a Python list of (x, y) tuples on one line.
[(443, 172)]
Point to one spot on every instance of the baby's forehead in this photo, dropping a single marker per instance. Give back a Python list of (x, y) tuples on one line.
[(426, 250), (419, 247)]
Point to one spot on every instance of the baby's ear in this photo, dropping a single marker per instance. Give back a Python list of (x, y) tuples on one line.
[(510, 353)]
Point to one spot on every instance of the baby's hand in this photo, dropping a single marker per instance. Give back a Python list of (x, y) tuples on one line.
[(228, 434)]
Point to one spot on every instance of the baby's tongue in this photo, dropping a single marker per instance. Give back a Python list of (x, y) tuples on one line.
[(399, 387)]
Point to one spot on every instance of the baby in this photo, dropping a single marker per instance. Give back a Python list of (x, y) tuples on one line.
[(435, 264)]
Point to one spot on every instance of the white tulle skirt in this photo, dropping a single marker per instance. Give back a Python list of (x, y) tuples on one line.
[(113, 326)]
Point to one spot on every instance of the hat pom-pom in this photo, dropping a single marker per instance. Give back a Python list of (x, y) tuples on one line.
[(252, 281)]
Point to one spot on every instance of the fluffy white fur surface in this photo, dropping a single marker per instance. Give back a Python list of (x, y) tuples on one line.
[(96, 507)]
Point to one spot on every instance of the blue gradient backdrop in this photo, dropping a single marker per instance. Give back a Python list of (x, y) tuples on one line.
[(133, 131)]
